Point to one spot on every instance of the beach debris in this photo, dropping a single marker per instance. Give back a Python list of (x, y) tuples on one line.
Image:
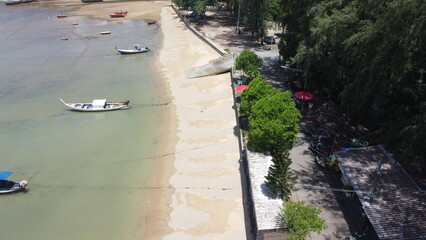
[(215, 66)]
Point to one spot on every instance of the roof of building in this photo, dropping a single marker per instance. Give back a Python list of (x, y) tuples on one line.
[(393, 202), (267, 208)]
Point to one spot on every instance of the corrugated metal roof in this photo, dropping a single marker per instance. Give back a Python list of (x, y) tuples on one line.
[(267, 209), (393, 202)]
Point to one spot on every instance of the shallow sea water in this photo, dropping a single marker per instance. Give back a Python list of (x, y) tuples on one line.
[(87, 172)]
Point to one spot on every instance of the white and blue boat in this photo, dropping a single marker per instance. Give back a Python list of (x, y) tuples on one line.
[(137, 49)]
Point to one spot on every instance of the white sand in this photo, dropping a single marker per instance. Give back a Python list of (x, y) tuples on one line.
[(207, 202)]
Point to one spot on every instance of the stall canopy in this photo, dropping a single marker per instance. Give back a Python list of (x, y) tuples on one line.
[(303, 95), (240, 88)]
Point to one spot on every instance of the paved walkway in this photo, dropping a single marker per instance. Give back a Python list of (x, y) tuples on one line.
[(310, 178)]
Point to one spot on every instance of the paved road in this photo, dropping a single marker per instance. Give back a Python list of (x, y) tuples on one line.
[(310, 178)]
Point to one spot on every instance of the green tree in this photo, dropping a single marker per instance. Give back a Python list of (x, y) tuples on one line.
[(301, 220), (273, 8), (185, 4), (247, 60), (297, 19), (274, 123), (199, 7), (256, 13), (368, 56), (280, 179), (258, 89)]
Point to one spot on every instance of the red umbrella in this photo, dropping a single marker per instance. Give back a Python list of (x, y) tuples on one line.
[(240, 88), (303, 95)]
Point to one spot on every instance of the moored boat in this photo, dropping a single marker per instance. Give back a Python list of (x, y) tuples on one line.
[(137, 49), (117, 15), (121, 12), (97, 105), (62, 15), (90, 1), (105, 32), (153, 22), (7, 186), (14, 2)]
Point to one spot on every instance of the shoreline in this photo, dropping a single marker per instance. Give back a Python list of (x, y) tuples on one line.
[(196, 188)]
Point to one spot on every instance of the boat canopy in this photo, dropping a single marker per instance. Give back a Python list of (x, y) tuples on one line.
[(4, 175), (99, 102)]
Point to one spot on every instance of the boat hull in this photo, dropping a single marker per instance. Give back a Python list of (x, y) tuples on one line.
[(117, 15), (132, 51), (7, 186), (14, 2), (88, 107)]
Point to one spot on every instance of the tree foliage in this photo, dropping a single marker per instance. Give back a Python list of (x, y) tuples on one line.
[(247, 61), (258, 89), (280, 179), (274, 123), (199, 7), (368, 56), (256, 13), (296, 18), (301, 220)]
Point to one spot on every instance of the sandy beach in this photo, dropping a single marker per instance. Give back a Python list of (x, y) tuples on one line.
[(197, 192), (207, 199)]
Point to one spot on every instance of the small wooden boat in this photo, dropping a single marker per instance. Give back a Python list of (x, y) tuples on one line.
[(153, 22), (105, 32), (14, 2), (62, 15), (121, 12), (90, 1), (133, 51), (97, 105), (7, 186), (64, 38), (117, 15)]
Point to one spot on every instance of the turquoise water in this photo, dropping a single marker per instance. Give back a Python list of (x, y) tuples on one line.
[(87, 172)]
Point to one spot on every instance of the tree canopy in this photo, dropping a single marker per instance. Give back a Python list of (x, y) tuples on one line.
[(248, 60), (301, 220), (258, 88), (368, 56), (274, 123)]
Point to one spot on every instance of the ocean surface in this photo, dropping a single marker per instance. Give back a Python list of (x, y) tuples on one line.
[(88, 172)]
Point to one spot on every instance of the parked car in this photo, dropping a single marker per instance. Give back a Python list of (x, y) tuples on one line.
[(269, 40)]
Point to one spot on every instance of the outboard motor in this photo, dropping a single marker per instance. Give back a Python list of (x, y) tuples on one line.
[(23, 183)]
